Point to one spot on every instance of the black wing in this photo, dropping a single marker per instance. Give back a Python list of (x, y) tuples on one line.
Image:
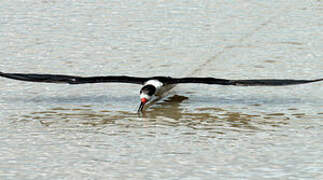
[(57, 78), (251, 82)]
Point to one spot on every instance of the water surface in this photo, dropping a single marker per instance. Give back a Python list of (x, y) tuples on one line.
[(56, 131)]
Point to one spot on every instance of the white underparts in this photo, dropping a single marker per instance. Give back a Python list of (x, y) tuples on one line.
[(157, 84)]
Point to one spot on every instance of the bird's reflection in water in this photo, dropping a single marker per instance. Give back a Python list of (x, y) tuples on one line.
[(169, 108), (168, 112), (171, 113)]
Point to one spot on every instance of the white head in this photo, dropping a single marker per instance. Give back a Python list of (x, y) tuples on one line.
[(146, 93), (149, 89)]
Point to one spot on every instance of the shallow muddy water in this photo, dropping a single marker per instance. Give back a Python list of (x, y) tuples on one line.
[(92, 131)]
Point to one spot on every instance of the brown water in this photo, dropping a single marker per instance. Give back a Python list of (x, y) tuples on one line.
[(55, 131)]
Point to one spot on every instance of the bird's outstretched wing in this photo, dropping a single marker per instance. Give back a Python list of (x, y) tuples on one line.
[(249, 82), (57, 78)]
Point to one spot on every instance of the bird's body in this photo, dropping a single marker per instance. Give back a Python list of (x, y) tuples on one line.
[(161, 88), (152, 86), (157, 84)]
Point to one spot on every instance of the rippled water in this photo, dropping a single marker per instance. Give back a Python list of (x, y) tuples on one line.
[(55, 131)]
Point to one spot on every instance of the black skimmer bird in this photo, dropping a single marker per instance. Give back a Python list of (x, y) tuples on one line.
[(152, 86)]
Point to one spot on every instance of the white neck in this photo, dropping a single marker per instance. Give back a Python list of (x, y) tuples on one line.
[(157, 84)]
